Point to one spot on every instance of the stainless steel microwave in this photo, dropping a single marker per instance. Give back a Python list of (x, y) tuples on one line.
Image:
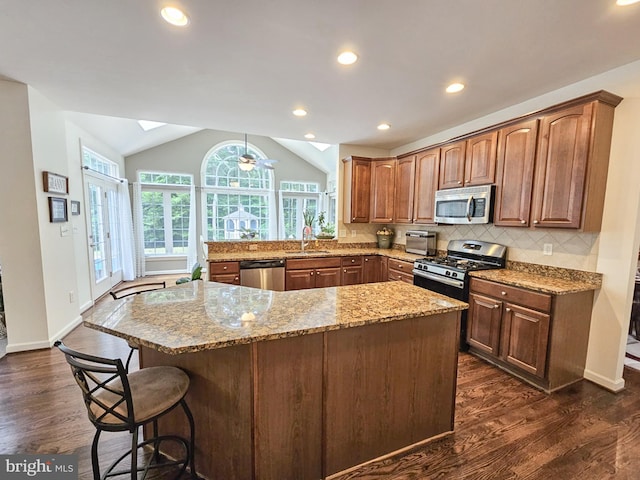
[(466, 205)]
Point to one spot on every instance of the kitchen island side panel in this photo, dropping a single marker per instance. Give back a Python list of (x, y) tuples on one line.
[(387, 387)]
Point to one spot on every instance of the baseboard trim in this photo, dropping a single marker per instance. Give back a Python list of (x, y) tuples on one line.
[(24, 347), (611, 385)]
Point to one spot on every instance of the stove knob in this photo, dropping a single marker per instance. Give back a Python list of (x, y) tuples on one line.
[(454, 274), (447, 273)]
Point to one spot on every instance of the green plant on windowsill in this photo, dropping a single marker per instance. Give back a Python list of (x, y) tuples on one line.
[(327, 230)]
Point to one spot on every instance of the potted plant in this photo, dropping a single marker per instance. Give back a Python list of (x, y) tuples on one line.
[(327, 230), (384, 237), (308, 223)]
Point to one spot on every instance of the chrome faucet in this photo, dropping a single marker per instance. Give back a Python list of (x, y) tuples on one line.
[(302, 243)]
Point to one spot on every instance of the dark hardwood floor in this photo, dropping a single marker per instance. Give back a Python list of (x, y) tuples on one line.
[(504, 429)]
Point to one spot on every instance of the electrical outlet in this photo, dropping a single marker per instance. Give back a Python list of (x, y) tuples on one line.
[(547, 249), (72, 296), (354, 233), (343, 233)]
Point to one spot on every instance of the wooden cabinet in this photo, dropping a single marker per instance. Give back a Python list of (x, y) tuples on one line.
[(514, 182), (480, 159), (427, 173), (452, 158), (539, 337), (404, 192), (351, 270), (383, 180), (312, 273), (400, 270), (357, 189), (225, 272), (371, 268), (572, 164)]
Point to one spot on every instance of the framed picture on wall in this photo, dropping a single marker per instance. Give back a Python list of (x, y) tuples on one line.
[(54, 183), (75, 207), (57, 209)]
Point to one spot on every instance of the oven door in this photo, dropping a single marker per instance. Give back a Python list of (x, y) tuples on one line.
[(437, 283)]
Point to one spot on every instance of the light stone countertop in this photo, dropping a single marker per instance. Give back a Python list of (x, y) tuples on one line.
[(203, 315), (310, 253), (538, 282)]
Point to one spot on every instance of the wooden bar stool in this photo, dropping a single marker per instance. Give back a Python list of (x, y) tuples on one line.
[(118, 401)]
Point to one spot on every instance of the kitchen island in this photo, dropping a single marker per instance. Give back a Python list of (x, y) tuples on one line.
[(299, 384)]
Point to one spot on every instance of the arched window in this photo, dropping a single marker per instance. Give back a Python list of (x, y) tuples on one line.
[(233, 197)]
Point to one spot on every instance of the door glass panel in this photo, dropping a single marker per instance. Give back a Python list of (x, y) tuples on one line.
[(98, 232), (114, 230)]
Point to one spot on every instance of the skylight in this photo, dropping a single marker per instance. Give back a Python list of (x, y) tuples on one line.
[(320, 146), (147, 125)]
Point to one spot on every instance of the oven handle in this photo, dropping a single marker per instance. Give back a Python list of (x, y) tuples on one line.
[(439, 278), (469, 203)]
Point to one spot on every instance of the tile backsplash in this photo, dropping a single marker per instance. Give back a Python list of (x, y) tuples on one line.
[(569, 249)]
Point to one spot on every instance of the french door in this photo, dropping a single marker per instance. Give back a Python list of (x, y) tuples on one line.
[(103, 228)]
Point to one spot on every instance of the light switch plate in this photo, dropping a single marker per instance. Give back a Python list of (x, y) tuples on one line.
[(547, 249)]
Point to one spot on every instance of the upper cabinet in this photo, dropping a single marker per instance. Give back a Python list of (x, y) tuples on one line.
[(383, 182), (514, 183), (452, 158), (357, 189), (426, 184), (480, 160), (404, 196)]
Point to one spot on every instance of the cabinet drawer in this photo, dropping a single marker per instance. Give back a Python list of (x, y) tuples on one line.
[(400, 265), (521, 296), (302, 263), (406, 277), (224, 267), (232, 278), (352, 261)]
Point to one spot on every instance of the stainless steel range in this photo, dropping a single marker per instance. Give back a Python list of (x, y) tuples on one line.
[(449, 275)]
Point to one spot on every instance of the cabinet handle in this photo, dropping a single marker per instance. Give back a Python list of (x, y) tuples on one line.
[(353, 260), (366, 259), (523, 221), (535, 221), (507, 309), (503, 293), (236, 279), (399, 266), (311, 273), (345, 270), (224, 268), (497, 305), (353, 219), (459, 182)]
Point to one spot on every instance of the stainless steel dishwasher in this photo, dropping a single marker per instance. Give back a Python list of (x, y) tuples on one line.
[(264, 274)]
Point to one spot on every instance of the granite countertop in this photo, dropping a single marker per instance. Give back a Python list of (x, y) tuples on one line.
[(310, 253), (203, 315), (540, 282)]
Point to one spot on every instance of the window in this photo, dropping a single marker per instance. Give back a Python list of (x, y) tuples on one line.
[(166, 201), (98, 163), (295, 198), (237, 204)]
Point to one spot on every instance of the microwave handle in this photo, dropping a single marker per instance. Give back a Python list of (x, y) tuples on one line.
[(469, 203)]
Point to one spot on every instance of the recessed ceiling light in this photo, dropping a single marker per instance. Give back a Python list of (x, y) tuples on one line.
[(624, 3), (384, 126), (174, 16), (299, 112), (455, 87), (347, 58), (309, 136)]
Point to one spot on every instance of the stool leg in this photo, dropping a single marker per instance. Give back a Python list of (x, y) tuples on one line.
[(95, 465), (134, 454), (156, 443), (192, 440)]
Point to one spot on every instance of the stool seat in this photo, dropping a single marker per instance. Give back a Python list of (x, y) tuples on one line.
[(153, 390)]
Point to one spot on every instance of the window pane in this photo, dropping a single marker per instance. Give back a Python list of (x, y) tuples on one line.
[(159, 178), (153, 221), (228, 214), (180, 222)]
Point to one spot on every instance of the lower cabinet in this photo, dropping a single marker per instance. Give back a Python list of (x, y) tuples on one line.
[(539, 337), (351, 270), (312, 273), (372, 268), (225, 272), (400, 270)]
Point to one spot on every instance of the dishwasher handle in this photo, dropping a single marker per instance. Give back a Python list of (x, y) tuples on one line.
[(250, 264)]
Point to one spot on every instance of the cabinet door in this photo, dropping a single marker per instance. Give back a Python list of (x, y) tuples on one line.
[(300, 279), (404, 193), (525, 339), (371, 270), (516, 157), (383, 179), (327, 277), (563, 150), (480, 161), (426, 184), (351, 275), (357, 189), (483, 324), (452, 157)]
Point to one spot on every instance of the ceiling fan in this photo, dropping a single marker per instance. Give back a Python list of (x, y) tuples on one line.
[(248, 161)]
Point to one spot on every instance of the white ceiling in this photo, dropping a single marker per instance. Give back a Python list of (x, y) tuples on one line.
[(243, 66)]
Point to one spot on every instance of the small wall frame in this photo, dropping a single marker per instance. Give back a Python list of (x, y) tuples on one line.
[(57, 209), (75, 207)]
